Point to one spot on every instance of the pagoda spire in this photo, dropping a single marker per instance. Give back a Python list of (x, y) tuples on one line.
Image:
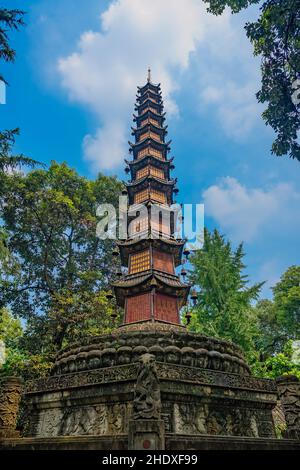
[(151, 291)]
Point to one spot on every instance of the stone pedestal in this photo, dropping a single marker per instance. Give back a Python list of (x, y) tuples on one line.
[(10, 395), (146, 434), (289, 394), (195, 384)]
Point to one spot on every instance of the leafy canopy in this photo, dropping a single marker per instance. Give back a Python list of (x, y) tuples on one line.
[(64, 269), (224, 305), (9, 20), (276, 38)]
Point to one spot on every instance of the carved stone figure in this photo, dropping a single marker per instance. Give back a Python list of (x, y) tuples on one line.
[(172, 354), (85, 420), (50, 423), (116, 418), (146, 403)]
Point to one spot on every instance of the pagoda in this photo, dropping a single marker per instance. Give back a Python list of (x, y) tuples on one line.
[(150, 383), (151, 291)]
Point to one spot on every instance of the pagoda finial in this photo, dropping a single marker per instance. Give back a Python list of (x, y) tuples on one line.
[(149, 75)]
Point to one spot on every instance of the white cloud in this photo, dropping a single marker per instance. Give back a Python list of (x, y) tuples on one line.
[(244, 213), (229, 77), (103, 71), (236, 107)]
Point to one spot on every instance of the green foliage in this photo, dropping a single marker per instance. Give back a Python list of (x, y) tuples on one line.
[(217, 7), (275, 37), (224, 306), (9, 20), (280, 364), (270, 338), (279, 320), (16, 360), (266, 331), (287, 302), (10, 329), (64, 269), (8, 161)]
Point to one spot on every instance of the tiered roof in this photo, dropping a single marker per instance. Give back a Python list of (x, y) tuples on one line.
[(151, 253)]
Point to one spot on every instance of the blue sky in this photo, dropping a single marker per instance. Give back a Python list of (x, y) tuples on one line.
[(72, 92)]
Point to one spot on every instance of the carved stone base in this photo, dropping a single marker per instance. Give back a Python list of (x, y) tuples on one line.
[(146, 434), (9, 433), (289, 393), (200, 386), (10, 395)]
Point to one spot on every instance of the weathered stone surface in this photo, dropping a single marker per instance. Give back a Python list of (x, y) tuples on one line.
[(289, 395), (173, 442), (191, 388), (146, 401), (10, 396), (169, 344), (148, 434)]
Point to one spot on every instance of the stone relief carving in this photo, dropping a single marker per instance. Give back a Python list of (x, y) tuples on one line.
[(165, 371), (194, 419), (190, 418), (49, 423), (10, 395), (146, 402), (117, 414), (289, 395), (84, 421)]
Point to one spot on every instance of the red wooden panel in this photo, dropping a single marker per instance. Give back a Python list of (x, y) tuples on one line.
[(138, 308), (163, 261), (166, 308)]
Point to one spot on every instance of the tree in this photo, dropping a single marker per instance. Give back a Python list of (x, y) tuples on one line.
[(9, 20), (8, 161), (224, 305), (275, 37), (14, 358), (64, 269), (270, 339), (279, 319), (281, 363), (287, 302)]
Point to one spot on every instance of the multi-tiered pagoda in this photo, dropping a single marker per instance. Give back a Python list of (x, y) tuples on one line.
[(151, 291), (150, 384)]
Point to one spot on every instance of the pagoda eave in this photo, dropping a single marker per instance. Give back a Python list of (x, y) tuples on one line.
[(168, 245), (141, 183), (149, 85), (147, 141), (149, 125), (165, 284), (148, 112), (151, 159)]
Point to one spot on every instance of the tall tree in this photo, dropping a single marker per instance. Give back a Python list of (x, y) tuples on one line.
[(287, 302), (275, 37), (9, 20), (9, 161), (224, 306), (270, 339), (64, 269)]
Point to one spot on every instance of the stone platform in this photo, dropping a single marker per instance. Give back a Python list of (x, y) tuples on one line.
[(173, 442), (199, 388), (205, 386)]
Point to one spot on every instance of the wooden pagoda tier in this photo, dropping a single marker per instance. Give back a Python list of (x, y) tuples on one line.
[(151, 290), (148, 162)]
